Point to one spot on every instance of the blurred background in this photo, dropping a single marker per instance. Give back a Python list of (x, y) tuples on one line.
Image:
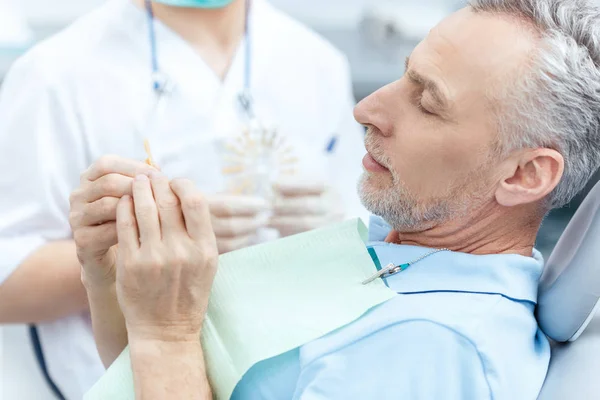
[(376, 36)]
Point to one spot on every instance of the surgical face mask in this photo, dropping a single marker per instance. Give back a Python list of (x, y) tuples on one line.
[(196, 3)]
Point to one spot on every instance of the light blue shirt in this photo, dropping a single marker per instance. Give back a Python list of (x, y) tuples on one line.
[(462, 327)]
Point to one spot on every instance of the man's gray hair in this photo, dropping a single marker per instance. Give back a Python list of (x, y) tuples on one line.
[(555, 102)]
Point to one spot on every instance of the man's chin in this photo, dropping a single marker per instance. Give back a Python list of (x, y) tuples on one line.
[(366, 187), (373, 193), (376, 182), (404, 213)]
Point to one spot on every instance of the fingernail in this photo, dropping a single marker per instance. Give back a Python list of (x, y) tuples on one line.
[(141, 178), (156, 174), (125, 198)]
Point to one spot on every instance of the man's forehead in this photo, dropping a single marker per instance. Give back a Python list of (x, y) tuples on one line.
[(472, 50)]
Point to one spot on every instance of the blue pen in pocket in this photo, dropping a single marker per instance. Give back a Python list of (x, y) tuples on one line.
[(330, 165), (331, 144)]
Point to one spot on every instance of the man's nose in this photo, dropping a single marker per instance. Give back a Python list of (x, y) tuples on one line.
[(371, 111), (362, 111)]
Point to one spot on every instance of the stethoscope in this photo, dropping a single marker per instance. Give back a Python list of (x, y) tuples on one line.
[(161, 84), (255, 137)]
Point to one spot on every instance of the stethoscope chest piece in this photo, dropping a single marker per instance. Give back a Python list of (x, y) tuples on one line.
[(246, 103), (162, 84)]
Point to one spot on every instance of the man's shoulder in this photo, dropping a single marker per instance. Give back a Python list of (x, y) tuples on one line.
[(422, 359), (490, 336), (462, 314)]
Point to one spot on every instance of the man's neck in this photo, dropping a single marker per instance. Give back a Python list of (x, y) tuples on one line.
[(489, 230), (214, 33)]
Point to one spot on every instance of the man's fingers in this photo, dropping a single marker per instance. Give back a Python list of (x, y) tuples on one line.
[(98, 212), (195, 209), (115, 165), (127, 230), (96, 238), (113, 185), (300, 188), (236, 206), (237, 226), (146, 213), (169, 207)]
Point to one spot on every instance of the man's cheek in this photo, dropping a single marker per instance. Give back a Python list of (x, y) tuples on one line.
[(409, 170)]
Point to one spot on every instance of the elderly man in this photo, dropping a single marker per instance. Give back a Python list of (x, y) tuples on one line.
[(495, 121)]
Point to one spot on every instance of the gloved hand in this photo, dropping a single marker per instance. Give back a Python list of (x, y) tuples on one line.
[(235, 220), (301, 206)]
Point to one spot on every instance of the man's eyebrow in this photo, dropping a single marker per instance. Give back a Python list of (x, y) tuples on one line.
[(441, 101)]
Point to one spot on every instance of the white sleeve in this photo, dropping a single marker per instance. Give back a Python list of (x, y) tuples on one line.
[(346, 159), (41, 157)]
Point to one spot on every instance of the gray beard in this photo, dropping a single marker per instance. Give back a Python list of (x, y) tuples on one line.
[(399, 208)]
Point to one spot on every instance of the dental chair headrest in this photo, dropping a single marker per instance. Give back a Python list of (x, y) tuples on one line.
[(569, 290)]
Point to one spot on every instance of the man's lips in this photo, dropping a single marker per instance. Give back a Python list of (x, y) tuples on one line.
[(371, 165)]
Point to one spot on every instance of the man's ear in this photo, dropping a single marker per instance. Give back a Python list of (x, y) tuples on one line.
[(531, 176)]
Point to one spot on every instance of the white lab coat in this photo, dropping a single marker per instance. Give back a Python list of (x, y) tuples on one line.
[(87, 92)]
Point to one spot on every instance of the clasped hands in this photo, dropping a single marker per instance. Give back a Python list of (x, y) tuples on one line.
[(169, 237), (167, 254)]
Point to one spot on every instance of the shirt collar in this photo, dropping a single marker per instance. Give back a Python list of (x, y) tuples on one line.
[(510, 275), (378, 229)]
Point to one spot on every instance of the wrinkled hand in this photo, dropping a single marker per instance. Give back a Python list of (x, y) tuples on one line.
[(167, 259), (235, 220), (93, 210), (303, 206)]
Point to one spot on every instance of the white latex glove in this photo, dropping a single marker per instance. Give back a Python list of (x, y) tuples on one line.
[(235, 220), (301, 206)]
